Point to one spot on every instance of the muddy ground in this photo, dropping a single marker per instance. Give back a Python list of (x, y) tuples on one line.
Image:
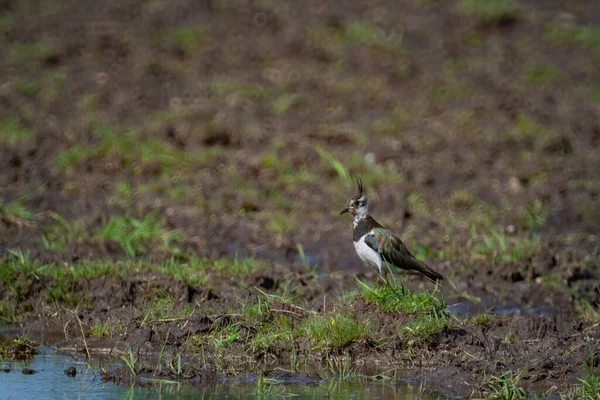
[(227, 130)]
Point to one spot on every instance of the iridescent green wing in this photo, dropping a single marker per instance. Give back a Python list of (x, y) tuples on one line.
[(394, 252), (384, 241)]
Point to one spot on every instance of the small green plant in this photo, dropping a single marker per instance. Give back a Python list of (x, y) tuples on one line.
[(284, 102), (31, 53), (534, 216), (132, 233), (367, 34), (462, 198), (280, 223), (423, 327), (586, 311), (497, 245), (334, 163), (14, 210), (542, 75), (224, 336), (418, 204), (20, 348), (481, 318), (267, 387), (129, 360), (176, 365), (189, 39), (527, 127), (392, 296), (588, 387), (58, 235), (506, 387), (27, 87), (585, 36), (334, 332), (162, 306), (13, 132), (488, 10), (100, 328)]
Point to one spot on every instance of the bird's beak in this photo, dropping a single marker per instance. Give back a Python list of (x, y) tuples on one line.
[(345, 210)]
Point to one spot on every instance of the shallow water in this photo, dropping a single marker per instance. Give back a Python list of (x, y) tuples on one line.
[(50, 382)]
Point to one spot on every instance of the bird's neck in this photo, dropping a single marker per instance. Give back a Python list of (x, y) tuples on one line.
[(360, 217)]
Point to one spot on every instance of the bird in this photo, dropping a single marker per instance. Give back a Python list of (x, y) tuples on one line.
[(378, 246)]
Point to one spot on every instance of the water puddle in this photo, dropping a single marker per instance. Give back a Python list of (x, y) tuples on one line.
[(44, 377), (468, 308)]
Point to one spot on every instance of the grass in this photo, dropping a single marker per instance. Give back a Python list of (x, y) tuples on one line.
[(19, 348), (14, 210), (221, 86), (20, 273), (534, 216), (26, 87), (588, 387), (31, 54), (481, 319), (497, 245), (220, 338), (367, 34), (451, 88), (542, 75), (488, 10), (334, 163), (62, 232), (133, 151), (189, 39), (423, 327), (334, 332), (506, 387), (275, 330), (585, 36), (527, 127), (133, 233), (130, 361), (394, 297), (280, 223), (286, 101), (13, 132), (163, 306), (100, 329), (586, 311), (428, 308)]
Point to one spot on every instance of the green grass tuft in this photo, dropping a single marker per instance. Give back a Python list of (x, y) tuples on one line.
[(542, 75), (392, 296), (585, 36), (481, 319), (506, 387), (488, 9), (423, 327), (334, 163), (12, 132), (497, 245), (100, 328), (132, 233), (14, 210), (334, 332), (31, 53)]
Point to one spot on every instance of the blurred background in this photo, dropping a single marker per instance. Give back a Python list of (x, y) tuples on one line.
[(231, 129)]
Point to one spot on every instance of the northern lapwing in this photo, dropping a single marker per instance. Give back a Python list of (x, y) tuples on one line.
[(378, 246)]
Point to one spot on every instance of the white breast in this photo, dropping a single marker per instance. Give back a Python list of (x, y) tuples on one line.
[(367, 254)]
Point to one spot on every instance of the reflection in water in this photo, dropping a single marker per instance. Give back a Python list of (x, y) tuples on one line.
[(50, 382)]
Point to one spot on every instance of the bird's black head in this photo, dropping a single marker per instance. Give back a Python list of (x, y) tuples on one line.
[(357, 204)]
